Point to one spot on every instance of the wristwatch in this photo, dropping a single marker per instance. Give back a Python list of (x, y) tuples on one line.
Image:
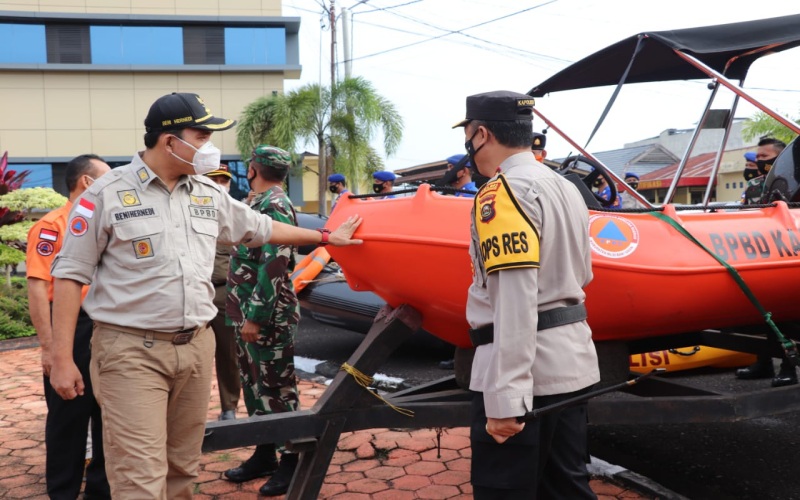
[(326, 233)]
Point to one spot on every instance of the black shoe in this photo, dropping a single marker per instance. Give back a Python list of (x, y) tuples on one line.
[(759, 369), (784, 378), (279, 483), (447, 364), (261, 464)]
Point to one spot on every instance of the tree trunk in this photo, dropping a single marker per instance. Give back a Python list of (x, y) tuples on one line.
[(322, 191), (8, 276)]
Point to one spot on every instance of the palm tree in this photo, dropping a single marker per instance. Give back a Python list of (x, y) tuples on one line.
[(342, 120), (763, 125)]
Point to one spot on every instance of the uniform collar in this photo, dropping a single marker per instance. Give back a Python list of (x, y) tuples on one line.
[(262, 196), (516, 160), (145, 176)]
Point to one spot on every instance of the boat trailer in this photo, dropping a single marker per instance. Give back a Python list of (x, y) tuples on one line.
[(349, 404)]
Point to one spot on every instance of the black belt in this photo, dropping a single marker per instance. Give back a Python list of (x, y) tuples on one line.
[(180, 337), (547, 319), (219, 283)]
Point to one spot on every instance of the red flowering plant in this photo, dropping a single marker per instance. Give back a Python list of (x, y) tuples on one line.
[(9, 181)]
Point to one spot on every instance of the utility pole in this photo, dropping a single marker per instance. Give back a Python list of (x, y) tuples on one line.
[(347, 41), (333, 43)]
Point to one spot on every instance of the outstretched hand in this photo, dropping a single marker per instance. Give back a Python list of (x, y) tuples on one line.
[(342, 235)]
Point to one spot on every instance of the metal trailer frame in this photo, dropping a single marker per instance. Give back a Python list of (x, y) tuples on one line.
[(347, 406)]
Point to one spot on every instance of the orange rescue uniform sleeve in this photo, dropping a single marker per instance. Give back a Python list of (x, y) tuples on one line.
[(44, 242)]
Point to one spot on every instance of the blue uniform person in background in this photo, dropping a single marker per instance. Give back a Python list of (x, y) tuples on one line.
[(382, 183), (337, 184), (459, 176)]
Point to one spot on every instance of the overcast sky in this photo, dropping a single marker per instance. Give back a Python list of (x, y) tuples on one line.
[(426, 56)]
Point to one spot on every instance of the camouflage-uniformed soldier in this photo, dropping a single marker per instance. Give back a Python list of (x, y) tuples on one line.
[(265, 312), (753, 190)]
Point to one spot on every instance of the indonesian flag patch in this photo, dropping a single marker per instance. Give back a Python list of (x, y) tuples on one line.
[(47, 234), (85, 208)]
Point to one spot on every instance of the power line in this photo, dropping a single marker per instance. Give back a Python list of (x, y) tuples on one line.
[(452, 32), (378, 9), (488, 42)]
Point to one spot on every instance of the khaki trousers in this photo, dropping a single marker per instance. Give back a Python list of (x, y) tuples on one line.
[(154, 403)]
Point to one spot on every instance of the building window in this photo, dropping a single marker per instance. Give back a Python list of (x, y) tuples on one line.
[(727, 185), (22, 43), (239, 186), (204, 45), (41, 174), (741, 184), (137, 45), (255, 46), (68, 44)]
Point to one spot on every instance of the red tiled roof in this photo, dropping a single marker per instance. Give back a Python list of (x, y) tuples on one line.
[(696, 173)]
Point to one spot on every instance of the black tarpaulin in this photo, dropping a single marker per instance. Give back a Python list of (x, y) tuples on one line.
[(729, 49)]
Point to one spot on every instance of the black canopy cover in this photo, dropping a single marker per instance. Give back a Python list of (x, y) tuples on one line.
[(729, 49)]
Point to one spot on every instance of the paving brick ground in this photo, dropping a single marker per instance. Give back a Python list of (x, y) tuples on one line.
[(381, 464)]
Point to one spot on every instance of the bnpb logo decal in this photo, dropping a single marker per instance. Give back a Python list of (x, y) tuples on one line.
[(612, 236)]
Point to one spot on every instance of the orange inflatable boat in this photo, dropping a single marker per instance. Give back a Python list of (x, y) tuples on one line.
[(649, 279)]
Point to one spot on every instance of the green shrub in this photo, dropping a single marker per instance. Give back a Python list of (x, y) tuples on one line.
[(14, 319)]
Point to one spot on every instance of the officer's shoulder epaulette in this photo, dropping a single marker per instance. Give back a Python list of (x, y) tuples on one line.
[(205, 180), (105, 180)]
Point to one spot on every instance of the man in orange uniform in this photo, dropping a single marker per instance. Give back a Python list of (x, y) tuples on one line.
[(67, 421)]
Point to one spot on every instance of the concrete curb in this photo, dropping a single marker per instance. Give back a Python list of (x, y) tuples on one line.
[(647, 486), (631, 480), (19, 343)]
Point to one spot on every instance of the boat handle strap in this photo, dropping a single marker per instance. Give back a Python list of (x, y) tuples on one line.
[(789, 347)]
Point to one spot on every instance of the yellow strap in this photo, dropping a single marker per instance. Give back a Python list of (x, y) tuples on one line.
[(365, 381)]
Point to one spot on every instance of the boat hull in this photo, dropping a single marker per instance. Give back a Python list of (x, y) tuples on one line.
[(649, 280)]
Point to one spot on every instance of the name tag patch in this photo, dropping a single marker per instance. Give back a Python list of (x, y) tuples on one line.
[(143, 248), (133, 214), (202, 212)]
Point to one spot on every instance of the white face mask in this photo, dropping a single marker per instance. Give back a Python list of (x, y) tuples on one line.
[(206, 159)]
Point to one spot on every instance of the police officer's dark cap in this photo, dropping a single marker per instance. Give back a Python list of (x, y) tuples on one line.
[(183, 110), (384, 176), (498, 106), (539, 141)]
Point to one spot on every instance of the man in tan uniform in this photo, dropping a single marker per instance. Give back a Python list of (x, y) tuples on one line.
[(145, 236), (531, 259)]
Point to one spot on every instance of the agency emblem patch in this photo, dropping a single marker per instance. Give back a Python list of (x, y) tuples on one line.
[(45, 248), (143, 248), (203, 201), (612, 236), (143, 175), (128, 198), (78, 226)]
